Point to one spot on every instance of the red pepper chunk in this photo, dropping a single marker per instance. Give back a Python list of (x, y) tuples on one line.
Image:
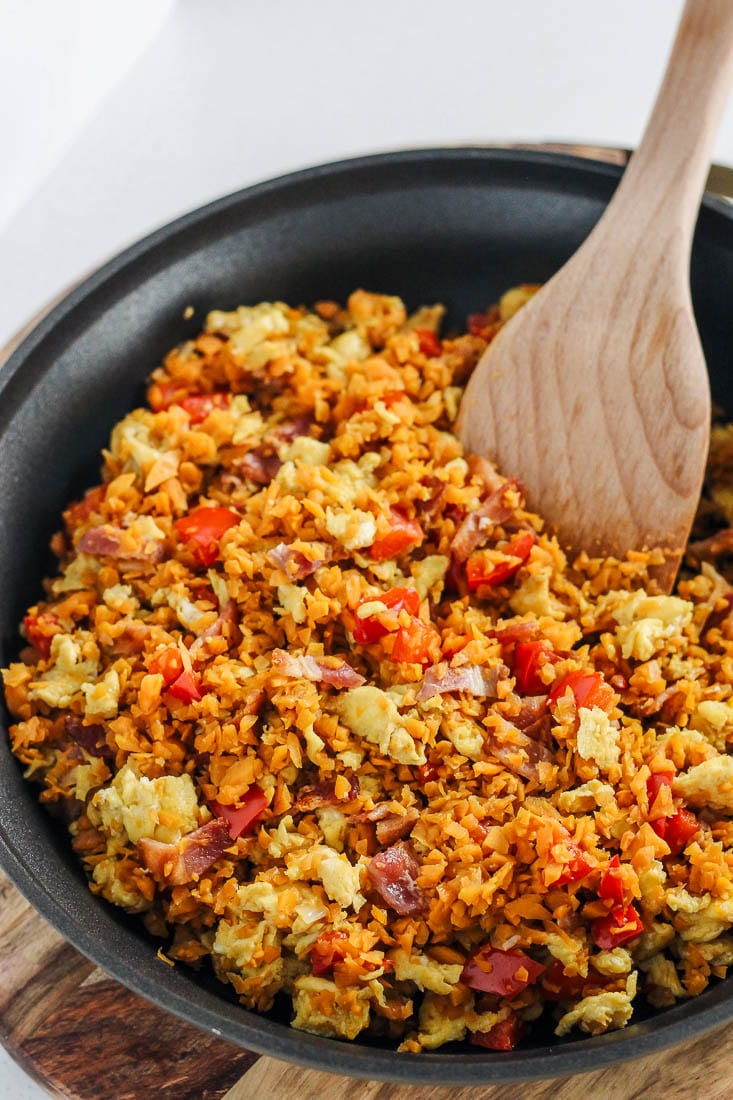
[(529, 657), (611, 887), (329, 948), (40, 630), (656, 781), (199, 405), (430, 343), (416, 643), (243, 816), (481, 570), (677, 831), (370, 629), (404, 532), (167, 663), (578, 866), (559, 986), (620, 925), (503, 1036), (185, 688), (506, 973), (202, 529), (589, 689)]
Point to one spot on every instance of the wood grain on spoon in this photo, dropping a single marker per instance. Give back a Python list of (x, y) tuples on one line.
[(596, 393)]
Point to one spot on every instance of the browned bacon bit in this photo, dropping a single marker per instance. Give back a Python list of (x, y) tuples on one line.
[(476, 526), (224, 624), (339, 674), (90, 737), (177, 864), (290, 430), (323, 794), (105, 542), (258, 466), (394, 827), (518, 752), (718, 616), (294, 563), (486, 472), (394, 873), (515, 633), (473, 679), (719, 545), (132, 639), (533, 707)]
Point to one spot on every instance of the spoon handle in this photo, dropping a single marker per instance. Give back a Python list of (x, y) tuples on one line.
[(672, 161)]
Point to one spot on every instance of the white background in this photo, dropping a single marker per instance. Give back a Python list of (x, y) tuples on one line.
[(117, 115)]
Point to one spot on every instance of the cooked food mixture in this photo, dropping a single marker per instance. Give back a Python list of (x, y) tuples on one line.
[(321, 700)]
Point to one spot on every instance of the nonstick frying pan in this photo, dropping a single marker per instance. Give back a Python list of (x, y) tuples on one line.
[(452, 225)]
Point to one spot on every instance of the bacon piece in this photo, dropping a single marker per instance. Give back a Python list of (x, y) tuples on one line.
[(177, 864), (259, 466), (534, 717), (294, 563), (225, 623), (394, 827), (323, 794), (717, 618), (475, 527), (104, 542), (515, 632), (719, 545), (91, 737), (518, 752), (290, 430), (316, 669), (132, 639), (394, 873), (486, 472), (473, 679)]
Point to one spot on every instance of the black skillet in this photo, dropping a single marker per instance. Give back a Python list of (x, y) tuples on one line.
[(452, 225)]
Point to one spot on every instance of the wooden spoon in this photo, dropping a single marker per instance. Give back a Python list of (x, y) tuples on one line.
[(596, 393)]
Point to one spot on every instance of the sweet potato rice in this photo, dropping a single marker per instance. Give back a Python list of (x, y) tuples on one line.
[(320, 700)]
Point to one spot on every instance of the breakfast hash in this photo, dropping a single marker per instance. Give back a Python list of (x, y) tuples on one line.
[(320, 699)]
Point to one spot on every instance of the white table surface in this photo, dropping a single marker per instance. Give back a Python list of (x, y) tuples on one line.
[(118, 115)]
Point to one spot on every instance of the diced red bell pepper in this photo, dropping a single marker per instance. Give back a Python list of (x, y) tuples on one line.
[(503, 1036), (430, 343), (168, 663), (505, 973), (40, 629), (371, 629), (589, 689), (578, 866), (199, 405), (529, 657), (415, 643), (202, 529), (482, 570), (404, 532), (329, 948), (241, 817), (162, 395), (621, 924), (82, 509), (611, 887), (677, 831), (427, 773), (656, 781), (186, 688), (559, 986)]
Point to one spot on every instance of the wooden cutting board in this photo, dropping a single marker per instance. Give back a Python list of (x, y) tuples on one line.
[(83, 1036)]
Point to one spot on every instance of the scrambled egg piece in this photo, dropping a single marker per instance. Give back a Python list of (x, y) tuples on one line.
[(571, 952), (614, 962), (662, 974), (533, 597), (305, 451), (586, 797), (81, 572), (103, 697), (248, 326), (714, 719), (645, 622), (426, 973), (121, 598), (653, 940), (699, 919), (340, 878), (291, 598), (106, 876), (323, 1008), (65, 676), (597, 739), (708, 784), (353, 529), (429, 575), (133, 807), (441, 1021), (371, 714), (466, 736), (601, 1012)]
